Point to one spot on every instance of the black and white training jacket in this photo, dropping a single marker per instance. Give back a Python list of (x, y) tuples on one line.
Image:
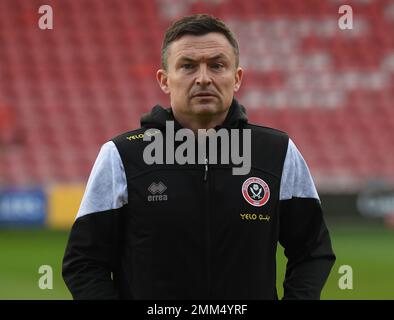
[(170, 231)]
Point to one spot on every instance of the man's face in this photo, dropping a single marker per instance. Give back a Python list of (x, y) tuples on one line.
[(201, 76)]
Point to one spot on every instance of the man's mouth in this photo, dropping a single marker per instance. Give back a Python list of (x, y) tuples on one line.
[(203, 94)]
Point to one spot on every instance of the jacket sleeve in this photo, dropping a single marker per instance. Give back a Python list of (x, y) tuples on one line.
[(302, 231), (91, 256)]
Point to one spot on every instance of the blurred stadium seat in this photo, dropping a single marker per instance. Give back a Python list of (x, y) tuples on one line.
[(92, 77)]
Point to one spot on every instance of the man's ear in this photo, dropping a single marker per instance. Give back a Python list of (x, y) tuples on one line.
[(238, 78), (162, 79)]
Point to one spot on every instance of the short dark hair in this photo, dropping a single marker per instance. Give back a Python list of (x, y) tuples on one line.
[(198, 25)]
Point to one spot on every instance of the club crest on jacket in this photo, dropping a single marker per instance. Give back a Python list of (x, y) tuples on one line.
[(256, 191)]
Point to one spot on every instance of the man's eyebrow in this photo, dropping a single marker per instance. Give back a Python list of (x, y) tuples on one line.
[(189, 59), (218, 56), (184, 58)]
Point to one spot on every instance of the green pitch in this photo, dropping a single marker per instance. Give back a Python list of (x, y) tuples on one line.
[(368, 250)]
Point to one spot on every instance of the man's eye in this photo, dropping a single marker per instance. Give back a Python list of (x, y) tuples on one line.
[(217, 66), (187, 66)]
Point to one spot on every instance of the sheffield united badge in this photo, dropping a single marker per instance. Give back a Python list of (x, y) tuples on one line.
[(256, 191)]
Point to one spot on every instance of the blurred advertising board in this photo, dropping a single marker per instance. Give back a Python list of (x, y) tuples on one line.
[(23, 207), (376, 199), (63, 205)]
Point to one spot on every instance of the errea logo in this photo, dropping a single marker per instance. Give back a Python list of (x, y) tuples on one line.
[(157, 190)]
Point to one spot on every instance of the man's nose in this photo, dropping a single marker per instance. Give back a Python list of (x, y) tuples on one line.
[(203, 77)]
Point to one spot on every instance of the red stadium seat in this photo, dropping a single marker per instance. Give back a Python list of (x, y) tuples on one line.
[(92, 79)]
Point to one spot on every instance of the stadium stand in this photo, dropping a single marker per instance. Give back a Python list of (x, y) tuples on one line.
[(93, 75)]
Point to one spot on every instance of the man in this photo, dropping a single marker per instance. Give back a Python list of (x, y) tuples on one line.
[(198, 231)]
